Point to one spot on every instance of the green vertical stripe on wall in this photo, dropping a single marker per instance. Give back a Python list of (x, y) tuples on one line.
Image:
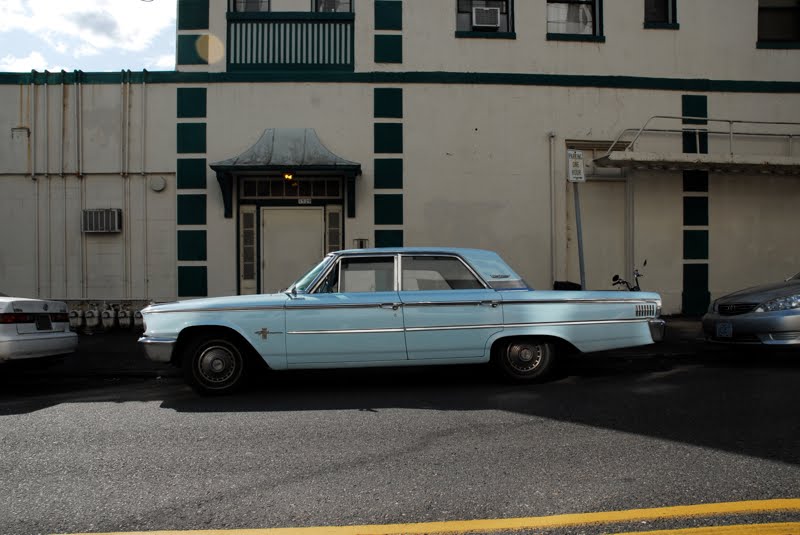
[(192, 14), (694, 106), (192, 281), (695, 244), (695, 181), (191, 173), (388, 49), (191, 102), (388, 15), (695, 211), (388, 102), (192, 50), (388, 238), (695, 296), (388, 138), (191, 137), (192, 209), (191, 245), (388, 173), (388, 209)]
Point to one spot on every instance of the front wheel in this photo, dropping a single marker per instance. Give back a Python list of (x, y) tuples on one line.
[(213, 365), (525, 360)]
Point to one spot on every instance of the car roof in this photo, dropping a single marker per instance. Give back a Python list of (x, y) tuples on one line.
[(409, 250)]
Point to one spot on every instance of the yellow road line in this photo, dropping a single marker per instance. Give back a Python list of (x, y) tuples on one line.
[(510, 524), (787, 528)]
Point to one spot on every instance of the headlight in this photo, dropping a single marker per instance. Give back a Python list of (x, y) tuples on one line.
[(782, 303)]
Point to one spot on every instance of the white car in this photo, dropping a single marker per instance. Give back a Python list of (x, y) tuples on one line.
[(33, 328)]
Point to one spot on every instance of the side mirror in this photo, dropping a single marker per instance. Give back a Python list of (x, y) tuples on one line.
[(615, 278)]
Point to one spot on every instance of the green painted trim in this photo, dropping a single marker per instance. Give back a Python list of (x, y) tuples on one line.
[(191, 173), (695, 181), (485, 35), (694, 106), (695, 244), (192, 281), (695, 211), (388, 102), (662, 26), (695, 296), (388, 49), (388, 15), (388, 138), (388, 173), (192, 50), (191, 138), (285, 68), (192, 209), (288, 16), (411, 77), (191, 102), (388, 238), (192, 14), (576, 37), (778, 45), (388, 209), (192, 245)]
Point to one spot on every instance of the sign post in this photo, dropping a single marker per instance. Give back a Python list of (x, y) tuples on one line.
[(576, 175)]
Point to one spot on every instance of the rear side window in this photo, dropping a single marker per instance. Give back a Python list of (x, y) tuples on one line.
[(425, 273)]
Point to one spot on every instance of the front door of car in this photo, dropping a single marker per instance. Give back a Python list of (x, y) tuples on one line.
[(448, 311), (354, 316)]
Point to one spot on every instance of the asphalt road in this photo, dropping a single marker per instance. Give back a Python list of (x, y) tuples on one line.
[(122, 450)]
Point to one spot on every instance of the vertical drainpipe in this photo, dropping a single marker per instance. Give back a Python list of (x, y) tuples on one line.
[(33, 176), (553, 262), (79, 161), (49, 185), (122, 112), (64, 178), (128, 183), (144, 182)]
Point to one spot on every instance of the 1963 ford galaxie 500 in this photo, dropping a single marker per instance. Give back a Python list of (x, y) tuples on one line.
[(396, 307)]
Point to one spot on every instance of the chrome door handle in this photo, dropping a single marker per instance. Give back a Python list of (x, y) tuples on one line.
[(492, 304), (393, 306)]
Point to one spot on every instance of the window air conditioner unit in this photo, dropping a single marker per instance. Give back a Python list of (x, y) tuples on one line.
[(102, 220), (486, 17)]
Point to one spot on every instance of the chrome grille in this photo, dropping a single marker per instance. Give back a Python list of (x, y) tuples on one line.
[(733, 309), (645, 311), (785, 336)]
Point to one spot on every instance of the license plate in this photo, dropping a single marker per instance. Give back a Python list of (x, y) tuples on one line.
[(724, 329), (43, 322)]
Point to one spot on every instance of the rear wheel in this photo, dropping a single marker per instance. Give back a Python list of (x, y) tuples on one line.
[(214, 364), (525, 360)]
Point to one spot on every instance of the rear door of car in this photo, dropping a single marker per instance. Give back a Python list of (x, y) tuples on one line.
[(449, 312), (352, 316)]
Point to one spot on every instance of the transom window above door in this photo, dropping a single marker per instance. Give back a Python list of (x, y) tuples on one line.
[(485, 16), (279, 188)]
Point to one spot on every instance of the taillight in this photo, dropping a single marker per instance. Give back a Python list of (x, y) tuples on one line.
[(17, 317), (59, 318)]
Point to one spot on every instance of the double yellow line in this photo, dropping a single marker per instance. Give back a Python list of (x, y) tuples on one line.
[(548, 522)]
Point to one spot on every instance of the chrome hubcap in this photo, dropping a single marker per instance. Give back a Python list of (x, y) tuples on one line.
[(217, 364), (524, 357)]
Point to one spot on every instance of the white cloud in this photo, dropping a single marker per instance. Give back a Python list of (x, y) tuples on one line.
[(34, 60), (100, 24), (167, 61)]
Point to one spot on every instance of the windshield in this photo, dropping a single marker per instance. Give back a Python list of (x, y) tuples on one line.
[(303, 282)]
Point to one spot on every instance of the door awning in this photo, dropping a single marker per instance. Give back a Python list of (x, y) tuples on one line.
[(286, 150)]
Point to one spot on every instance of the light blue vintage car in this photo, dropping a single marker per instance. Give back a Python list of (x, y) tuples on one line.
[(396, 307)]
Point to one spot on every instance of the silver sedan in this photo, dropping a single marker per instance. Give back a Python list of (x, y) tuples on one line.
[(767, 314)]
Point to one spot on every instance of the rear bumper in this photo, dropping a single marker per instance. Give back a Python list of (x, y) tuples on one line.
[(157, 349), (31, 347), (657, 329)]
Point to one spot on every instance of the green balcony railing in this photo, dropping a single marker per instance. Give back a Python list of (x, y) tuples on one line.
[(280, 41)]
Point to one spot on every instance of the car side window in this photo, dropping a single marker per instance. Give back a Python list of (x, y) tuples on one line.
[(360, 274), (424, 273)]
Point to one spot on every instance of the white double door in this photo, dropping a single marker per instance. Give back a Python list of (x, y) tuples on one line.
[(292, 242)]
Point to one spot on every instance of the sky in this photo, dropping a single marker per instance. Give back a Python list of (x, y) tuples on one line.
[(90, 35)]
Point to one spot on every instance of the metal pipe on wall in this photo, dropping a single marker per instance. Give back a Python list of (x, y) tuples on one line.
[(32, 122), (553, 262), (64, 181), (145, 271), (49, 186)]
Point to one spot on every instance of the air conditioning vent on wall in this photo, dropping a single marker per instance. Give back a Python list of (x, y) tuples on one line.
[(102, 220), (486, 17)]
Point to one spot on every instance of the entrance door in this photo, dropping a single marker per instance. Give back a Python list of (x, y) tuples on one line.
[(292, 242)]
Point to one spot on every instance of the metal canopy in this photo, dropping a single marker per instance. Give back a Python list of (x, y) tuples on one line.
[(292, 150), (727, 163)]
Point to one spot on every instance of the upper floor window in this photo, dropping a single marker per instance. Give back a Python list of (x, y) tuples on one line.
[(250, 5), (333, 6), (779, 21), (485, 16), (574, 17), (660, 14)]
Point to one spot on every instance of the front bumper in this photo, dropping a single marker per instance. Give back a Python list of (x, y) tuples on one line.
[(657, 329), (777, 328), (157, 349)]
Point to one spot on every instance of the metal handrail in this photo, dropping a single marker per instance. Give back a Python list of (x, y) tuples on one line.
[(704, 120)]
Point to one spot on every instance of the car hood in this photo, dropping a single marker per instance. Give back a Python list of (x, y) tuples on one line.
[(765, 292), (219, 303)]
